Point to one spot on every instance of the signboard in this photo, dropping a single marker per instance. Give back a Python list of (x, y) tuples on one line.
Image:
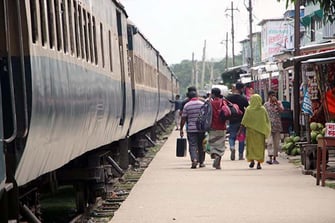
[(330, 130)]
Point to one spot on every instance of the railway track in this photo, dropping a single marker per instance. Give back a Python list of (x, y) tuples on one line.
[(104, 208)]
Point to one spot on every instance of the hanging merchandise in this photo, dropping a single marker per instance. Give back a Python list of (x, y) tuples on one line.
[(307, 104), (326, 86)]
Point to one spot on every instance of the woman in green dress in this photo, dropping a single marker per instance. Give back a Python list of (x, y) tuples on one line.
[(258, 128)]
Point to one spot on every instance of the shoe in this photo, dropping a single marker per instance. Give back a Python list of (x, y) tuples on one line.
[(240, 157), (252, 164), (269, 162), (194, 164), (232, 154), (275, 162), (202, 165), (259, 166), (177, 129), (216, 162)]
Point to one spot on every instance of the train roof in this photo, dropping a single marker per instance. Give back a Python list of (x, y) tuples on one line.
[(136, 29), (121, 6)]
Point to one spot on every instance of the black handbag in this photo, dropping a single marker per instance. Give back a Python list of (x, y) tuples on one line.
[(181, 147)]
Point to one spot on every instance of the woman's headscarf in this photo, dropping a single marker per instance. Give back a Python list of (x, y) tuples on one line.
[(256, 116)]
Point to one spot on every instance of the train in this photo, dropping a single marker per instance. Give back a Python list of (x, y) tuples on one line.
[(81, 86)]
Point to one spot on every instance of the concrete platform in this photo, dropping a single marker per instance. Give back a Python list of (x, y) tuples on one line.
[(169, 191)]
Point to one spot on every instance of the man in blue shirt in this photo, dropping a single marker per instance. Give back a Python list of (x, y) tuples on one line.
[(177, 107)]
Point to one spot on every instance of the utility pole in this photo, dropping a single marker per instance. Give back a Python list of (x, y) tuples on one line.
[(225, 41), (196, 74), (296, 81), (193, 70), (226, 50), (203, 65), (211, 72), (251, 60), (232, 30)]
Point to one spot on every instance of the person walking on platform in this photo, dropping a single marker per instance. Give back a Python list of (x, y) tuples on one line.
[(274, 107), (194, 136), (258, 128), (217, 133), (238, 98), (187, 99), (177, 107)]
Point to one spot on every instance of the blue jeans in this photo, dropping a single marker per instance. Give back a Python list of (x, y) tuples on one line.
[(233, 129)]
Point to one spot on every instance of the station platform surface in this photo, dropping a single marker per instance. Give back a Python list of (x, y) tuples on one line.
[(170, 191)]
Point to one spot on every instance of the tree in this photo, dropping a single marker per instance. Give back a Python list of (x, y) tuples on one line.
[(184, 71), (328, 7)]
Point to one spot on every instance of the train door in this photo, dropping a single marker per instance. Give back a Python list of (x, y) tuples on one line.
[(2, 166), (121, 58), (158, 85), (130, 33), (11, 96), (2, 156)]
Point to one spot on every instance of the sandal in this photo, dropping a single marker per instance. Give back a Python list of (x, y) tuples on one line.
[(252, 164)]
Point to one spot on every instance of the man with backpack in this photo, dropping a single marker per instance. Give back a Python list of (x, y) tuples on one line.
[(217, 132), (195, 137), (238, 98)]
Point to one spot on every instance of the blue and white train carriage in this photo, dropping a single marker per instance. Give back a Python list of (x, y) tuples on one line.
[(77, 82)]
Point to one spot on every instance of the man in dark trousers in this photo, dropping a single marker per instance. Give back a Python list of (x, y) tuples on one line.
[(195, 137), (238, 98)]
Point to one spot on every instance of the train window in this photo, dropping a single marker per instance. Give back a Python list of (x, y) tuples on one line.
[(102, 45), (51, 24), (58, 28), (95, 41), (70, 14), (90, 39), (76, 26), (64, 25), (85, 34), (110, 50), (80, 25), (34, 30), (43, 23)]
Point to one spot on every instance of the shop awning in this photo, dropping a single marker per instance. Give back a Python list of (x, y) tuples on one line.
[(245, 80), (291, 61), (267, 75), (232, 74), (319, 13), (306, 20), (320, 60)]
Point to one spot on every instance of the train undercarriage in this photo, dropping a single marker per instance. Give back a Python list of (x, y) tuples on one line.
[(91, 175)]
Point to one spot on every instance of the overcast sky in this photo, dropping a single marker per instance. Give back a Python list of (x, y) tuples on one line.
[(176, 28)]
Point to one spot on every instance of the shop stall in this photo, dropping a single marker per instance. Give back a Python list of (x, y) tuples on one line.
[(319, 83), (317, 99)]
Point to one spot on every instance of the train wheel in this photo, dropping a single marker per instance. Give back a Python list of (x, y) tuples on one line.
[(81, 197)]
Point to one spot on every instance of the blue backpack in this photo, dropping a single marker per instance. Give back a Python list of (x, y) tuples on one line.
[(204, 120)]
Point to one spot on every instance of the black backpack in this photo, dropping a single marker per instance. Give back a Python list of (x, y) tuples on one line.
[(204, 120)]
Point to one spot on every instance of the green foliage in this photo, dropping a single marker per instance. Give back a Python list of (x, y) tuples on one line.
[(184, 71)]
